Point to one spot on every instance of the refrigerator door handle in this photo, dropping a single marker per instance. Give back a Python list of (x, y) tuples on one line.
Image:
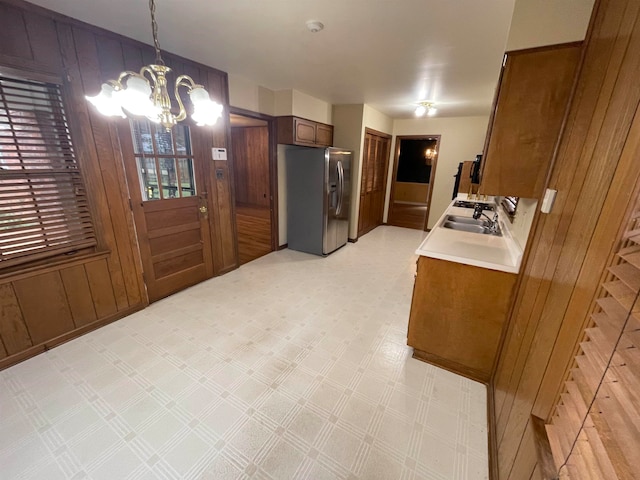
[(341, 187)]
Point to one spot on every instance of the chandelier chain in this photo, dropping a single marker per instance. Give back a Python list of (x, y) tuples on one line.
[(154, 31)]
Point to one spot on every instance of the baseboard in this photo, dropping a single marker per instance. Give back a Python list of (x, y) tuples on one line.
[(452, 366), (491, 432), (65, 337), (353, 240), (282, 247)]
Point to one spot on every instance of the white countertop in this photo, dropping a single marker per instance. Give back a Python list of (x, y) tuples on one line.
[(487, 251)]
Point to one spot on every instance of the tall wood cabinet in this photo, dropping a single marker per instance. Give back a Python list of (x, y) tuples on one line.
[(534, 89)]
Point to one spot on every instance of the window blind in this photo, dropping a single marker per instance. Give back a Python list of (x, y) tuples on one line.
[(43, 203)]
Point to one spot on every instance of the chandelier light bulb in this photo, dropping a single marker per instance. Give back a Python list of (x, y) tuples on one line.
[(106, 102), (425, 107)]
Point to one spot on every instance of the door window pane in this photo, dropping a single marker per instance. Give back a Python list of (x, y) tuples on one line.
[(169, 177), (162, 173), (142, 139), (148, 179), (187, 182), (183, 142), (164, 141)]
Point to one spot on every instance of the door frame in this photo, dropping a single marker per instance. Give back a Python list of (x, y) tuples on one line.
[(273, 169), (137, 206), (432, 176)]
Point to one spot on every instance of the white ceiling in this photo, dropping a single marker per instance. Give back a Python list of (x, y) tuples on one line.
[(389, 54)]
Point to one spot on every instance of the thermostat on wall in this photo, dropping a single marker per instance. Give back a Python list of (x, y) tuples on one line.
[(219, 153)]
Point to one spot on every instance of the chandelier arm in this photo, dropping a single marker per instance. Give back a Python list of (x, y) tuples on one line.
[(148, 70), (183, 81), (122, 76)]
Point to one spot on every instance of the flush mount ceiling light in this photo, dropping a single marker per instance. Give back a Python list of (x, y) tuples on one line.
[(425, 107), (314, 26), (136, 95)]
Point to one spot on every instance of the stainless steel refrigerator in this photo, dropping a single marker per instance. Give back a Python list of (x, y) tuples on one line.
[(318, 198)]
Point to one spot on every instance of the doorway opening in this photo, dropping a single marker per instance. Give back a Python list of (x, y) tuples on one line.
[(413, 174), (254, 160)]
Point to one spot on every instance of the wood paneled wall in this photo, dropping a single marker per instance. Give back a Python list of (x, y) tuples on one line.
[(594, 172), (44, 305), (250, 147)]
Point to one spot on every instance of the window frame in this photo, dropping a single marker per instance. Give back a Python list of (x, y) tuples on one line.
[(74, 209)]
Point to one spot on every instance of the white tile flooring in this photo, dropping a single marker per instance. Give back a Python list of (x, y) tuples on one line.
[(291, 367)]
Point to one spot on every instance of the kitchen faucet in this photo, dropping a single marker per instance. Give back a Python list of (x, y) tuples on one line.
[(478, 211)]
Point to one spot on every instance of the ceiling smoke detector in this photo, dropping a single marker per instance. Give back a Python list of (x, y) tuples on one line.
[(314, 26)]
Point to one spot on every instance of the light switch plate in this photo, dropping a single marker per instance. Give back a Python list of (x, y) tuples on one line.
[(219, 153), (547, 201)]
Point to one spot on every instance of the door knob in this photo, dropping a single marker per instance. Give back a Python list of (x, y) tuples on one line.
[(203, 209)]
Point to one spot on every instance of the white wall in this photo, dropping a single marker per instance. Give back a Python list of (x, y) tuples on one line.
[(376, 120), (244, 93), (311, 108), (461, 139), (347, 133), (546, 22), (523, 219), (282, 195)]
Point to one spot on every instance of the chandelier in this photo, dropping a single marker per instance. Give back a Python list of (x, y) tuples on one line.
[(135, 94), (430, 155), (425, 107)]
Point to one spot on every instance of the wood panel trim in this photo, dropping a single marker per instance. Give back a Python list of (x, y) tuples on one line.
[(74, 22), (544, 48), (377, 133), (70, 261), (42, 347)]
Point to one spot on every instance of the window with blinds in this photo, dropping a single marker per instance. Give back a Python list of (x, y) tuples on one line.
[(43, 203)]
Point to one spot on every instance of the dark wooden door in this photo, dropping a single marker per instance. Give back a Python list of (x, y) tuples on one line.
[(375, 162), (167, 174)]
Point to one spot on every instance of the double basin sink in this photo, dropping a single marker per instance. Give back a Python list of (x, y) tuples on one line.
[(470, 224)]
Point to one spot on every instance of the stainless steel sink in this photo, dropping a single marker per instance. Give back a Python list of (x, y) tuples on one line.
[(468, 227), (467, 220)]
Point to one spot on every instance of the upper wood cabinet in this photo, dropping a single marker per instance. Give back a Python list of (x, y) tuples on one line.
[(534, 89), (299, 131)]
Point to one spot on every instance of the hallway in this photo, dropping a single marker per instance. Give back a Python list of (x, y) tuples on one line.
[(291, 367)]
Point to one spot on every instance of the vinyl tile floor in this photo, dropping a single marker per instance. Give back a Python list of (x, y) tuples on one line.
[(290, 367)]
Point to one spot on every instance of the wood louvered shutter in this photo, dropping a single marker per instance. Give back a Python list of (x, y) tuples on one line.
[(595, 430), (43, 204)]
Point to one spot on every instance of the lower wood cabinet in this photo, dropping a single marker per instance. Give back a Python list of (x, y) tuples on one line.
[(457, 315)]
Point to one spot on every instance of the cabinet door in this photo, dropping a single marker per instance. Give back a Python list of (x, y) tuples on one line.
[(533, 95), (304, 131), (324, 135)]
